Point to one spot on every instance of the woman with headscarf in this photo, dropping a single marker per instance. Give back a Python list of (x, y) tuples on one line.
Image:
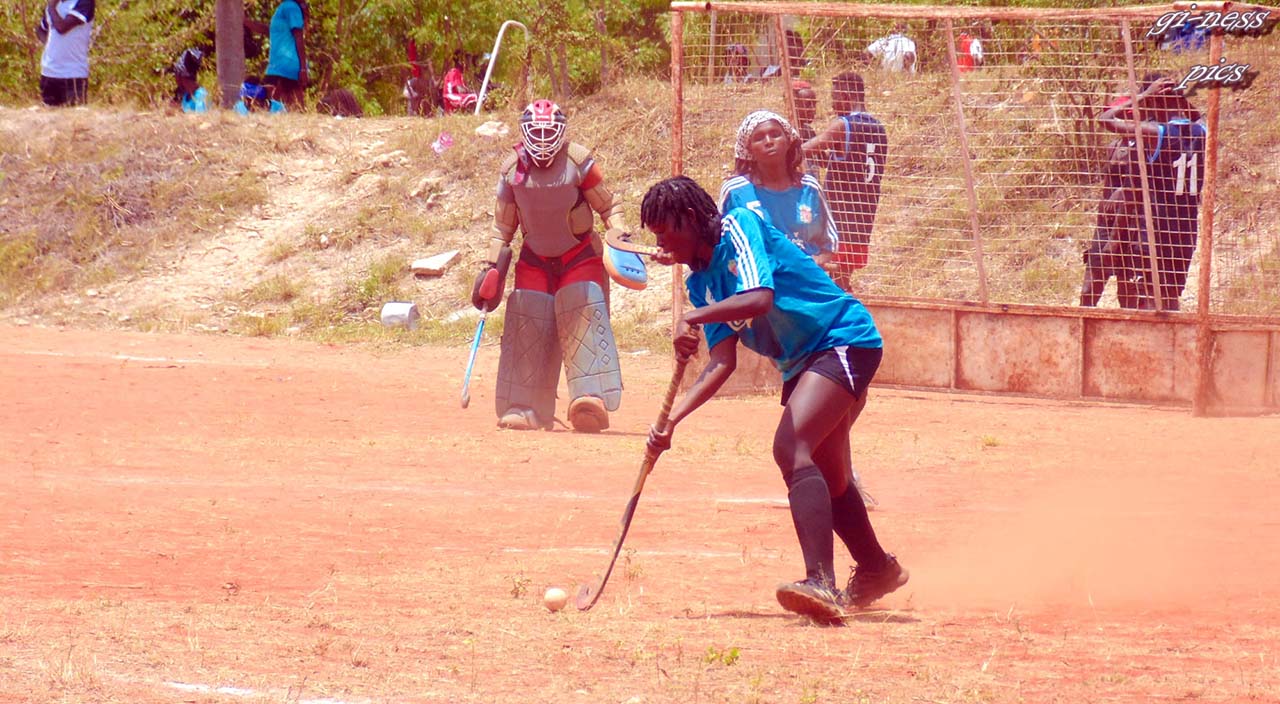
[(770, 181)]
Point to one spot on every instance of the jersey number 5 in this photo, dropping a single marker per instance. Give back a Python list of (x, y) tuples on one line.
[(871, 163), (1184, 163)]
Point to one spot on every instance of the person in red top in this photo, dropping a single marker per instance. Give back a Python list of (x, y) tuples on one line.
[(968, 52), (453, 88)]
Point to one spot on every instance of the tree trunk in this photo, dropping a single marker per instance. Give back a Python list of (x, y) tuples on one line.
[(562, 54), (551, 72), (603, 29), (522, 88), (339, 39), (229, 45)]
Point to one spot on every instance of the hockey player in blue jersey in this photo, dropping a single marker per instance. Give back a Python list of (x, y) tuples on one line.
[(751, 284), (1174, 137)]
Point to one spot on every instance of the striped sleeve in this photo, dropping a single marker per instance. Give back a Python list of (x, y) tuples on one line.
[(728, 199), (743, 230)]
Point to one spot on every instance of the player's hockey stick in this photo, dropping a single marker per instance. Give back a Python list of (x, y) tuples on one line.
[(489, 289), (625, 241), (587, 596), (475, 347)]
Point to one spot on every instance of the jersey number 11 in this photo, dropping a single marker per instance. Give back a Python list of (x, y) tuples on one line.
[(1185, 162)]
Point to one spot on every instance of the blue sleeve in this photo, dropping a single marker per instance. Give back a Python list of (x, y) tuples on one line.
[(291, 14), (714, 332), (753, 267), (729, 198)]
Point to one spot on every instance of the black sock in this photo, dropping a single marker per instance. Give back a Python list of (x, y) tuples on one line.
[(853, 525), (811, 513)]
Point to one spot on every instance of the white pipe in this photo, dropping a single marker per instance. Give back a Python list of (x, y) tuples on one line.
[(493, 59)]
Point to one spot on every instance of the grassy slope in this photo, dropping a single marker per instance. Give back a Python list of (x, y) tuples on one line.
[(102, 200)]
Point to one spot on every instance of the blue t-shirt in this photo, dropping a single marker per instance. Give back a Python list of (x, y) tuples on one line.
[(809, 314), (282, 58), (197, 101), (800, 212)]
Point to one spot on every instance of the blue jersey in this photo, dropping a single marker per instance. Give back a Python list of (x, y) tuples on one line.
[(854, 175), (861, 158), (1176, 175), (800, 212), (810, 313)]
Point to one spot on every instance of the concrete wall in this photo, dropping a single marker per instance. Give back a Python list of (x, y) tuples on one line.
[(1059, 353)]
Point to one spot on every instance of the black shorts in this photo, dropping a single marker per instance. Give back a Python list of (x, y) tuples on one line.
[(850, 367), (64, 91)]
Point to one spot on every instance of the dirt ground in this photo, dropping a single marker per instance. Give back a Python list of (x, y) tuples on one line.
[(211, 519)]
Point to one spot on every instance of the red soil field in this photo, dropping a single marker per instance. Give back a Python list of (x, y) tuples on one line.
[(213, 519)]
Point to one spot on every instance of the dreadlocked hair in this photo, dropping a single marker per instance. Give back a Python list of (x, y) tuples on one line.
[(671, 201)]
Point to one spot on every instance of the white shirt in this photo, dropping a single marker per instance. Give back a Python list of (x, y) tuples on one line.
[(67, 55), (975, 50), (892, 51)]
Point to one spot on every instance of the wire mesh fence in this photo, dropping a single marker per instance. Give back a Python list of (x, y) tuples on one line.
[(994, 156)]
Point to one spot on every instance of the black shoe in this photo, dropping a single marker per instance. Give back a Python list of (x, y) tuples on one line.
[(865, 586), (813, 599)]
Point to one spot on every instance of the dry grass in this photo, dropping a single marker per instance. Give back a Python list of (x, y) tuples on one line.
[(101, 191), (137, 192)]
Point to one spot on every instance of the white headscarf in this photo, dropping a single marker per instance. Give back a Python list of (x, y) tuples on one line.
[(742, 149)]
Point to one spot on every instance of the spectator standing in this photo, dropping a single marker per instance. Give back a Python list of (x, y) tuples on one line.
[(1117, 248), (968, 52), (287, 66), (737, 63), (67, 31), (854, 145), (1174, 135)]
